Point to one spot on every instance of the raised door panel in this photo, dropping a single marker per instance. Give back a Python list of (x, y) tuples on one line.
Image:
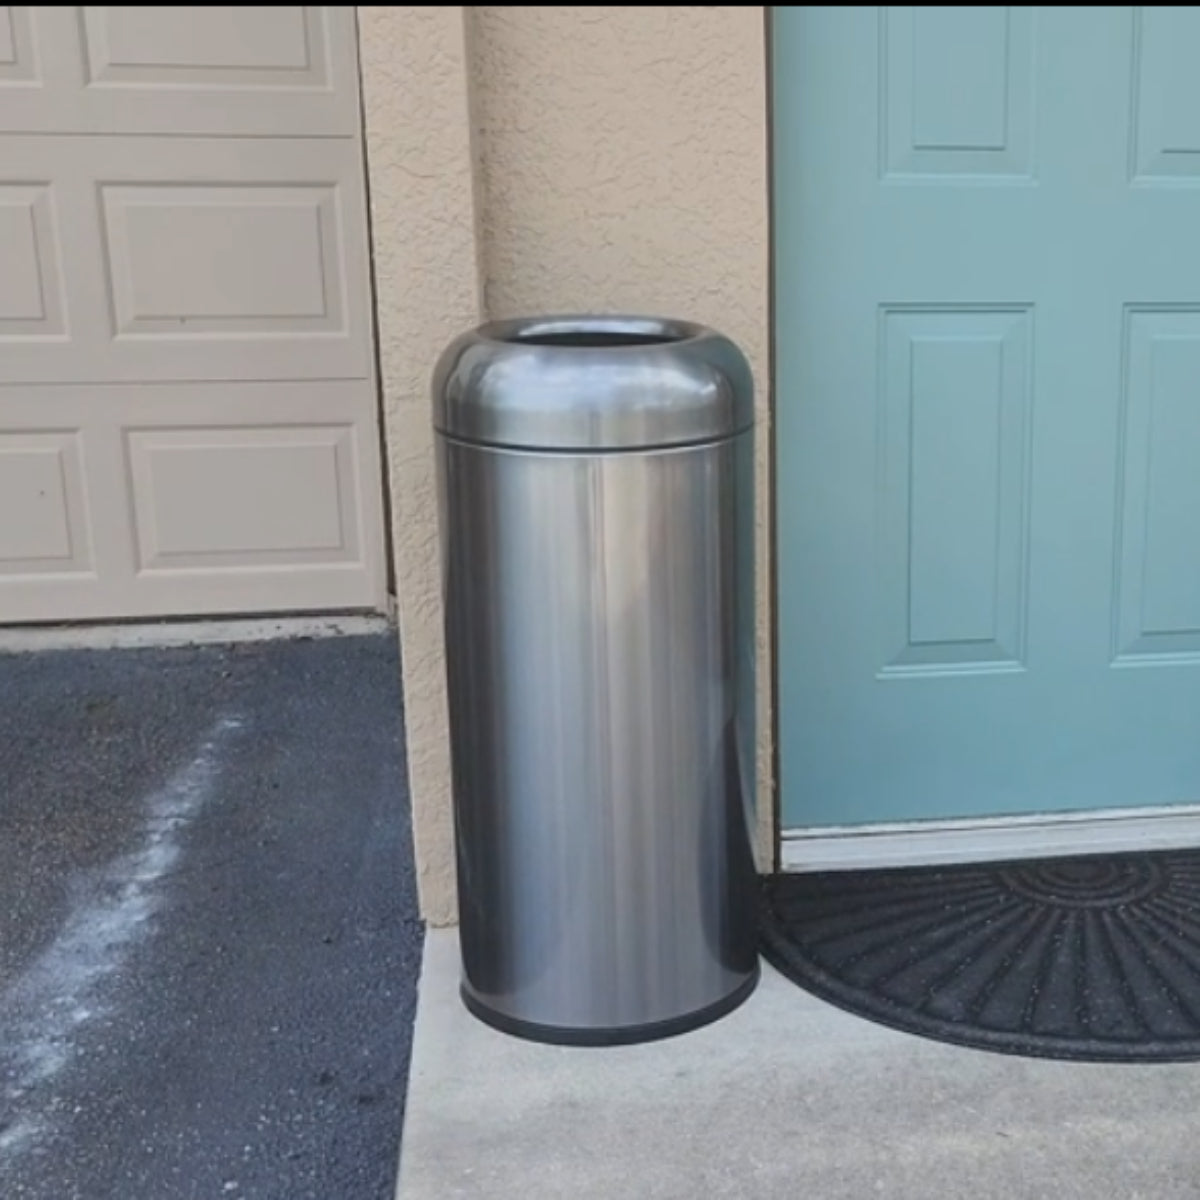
[(261, 273), (32, 305), (1157, 594), (43, 513), (245, 497), (18, 69), (179, 69), (1165, 141), (956, 91), (267, 70), (953, 422)]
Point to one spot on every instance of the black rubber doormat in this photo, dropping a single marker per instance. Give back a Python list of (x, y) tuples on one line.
[(1094, 959)]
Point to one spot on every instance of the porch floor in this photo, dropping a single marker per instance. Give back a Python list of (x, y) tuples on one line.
[(786, 1097)]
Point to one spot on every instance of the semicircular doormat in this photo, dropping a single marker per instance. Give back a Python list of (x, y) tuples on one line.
[(1094, 958)]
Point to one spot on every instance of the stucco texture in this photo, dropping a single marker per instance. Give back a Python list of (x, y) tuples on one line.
[(614, 159), (414, 76)]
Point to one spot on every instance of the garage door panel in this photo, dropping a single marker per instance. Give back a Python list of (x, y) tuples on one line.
[(17, 66), (31, 293), (242, 498), (181, 69), (57, 328), (232, 259), (245, 46), (43, 515), (184, 259), (8, 43), (40, 85)]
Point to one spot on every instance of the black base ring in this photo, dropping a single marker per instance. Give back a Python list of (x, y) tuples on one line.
[(614, 1035)]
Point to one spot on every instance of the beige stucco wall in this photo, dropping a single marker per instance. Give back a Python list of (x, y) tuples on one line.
[(421, 177), (617, 160)]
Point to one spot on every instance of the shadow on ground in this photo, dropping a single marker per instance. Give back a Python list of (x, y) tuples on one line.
[(209, 940)]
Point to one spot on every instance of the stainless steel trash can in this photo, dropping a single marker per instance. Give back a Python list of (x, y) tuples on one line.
[(597, 531)]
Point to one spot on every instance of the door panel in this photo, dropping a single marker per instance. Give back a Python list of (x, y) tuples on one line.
[(988, 395)]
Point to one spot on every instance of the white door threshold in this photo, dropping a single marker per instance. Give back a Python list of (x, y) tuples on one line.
[(991, 839)]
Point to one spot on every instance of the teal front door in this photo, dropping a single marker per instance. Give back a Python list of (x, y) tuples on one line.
[(987, 295)]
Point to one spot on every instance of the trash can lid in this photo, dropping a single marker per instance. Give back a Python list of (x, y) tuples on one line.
[(592, 382)]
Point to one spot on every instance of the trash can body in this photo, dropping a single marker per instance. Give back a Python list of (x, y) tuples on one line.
[(598, 592)]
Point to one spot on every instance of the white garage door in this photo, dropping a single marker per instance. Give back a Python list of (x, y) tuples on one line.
[(188, 416)]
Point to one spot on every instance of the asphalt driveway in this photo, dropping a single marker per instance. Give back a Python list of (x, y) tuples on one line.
[(209, 941)]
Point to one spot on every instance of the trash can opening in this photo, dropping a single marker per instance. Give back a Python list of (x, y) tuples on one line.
[(589, 339), (590, 333)]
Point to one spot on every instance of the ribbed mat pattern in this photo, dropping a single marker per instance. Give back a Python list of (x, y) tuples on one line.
[(1094, 958)]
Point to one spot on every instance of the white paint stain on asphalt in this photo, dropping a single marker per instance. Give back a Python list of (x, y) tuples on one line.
[(64, 990)]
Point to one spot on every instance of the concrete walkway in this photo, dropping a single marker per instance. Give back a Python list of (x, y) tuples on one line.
[(786, 1098), (209, 942)]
